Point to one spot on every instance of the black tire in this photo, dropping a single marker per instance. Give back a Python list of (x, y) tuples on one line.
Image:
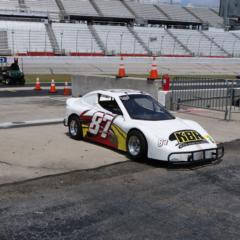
[(75, 128), (141, 153)]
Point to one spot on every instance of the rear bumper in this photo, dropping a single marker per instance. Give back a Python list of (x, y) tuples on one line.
[(207, 155)]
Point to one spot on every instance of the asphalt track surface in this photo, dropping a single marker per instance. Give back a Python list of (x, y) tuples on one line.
[(134, 65), (128, 201), (29, 93), (28, 90)]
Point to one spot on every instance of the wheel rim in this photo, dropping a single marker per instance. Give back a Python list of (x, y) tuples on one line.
[(134, 145), (73, 127)]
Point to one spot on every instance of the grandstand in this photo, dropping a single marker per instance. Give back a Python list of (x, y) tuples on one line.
[(75, 38), (83, 8), (119, 40), (177, 13), (41, 6), (112, 27), (26, 37), (207, 15), (9, 5), (113, 8)]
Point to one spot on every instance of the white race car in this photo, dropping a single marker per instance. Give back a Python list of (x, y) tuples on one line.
[(134, 122)]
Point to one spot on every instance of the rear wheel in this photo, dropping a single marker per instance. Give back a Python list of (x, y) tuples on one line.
[(136, 145), (75, 128)]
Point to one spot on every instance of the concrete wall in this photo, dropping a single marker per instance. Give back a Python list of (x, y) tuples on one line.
[(85, 84)]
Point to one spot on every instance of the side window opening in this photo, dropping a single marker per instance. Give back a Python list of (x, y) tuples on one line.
[(109, 103)]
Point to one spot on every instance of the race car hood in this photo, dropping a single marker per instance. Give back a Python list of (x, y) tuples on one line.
[(165, 128), (174, 136), (176, 133)]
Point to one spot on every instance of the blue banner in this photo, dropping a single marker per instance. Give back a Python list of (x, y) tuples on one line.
[(3, 59)]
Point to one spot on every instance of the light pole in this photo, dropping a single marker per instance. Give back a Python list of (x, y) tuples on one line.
[(134, 46), (45, 42), (162, 39), (234, 47), (223, 42), (199, 43), (189, 37), (121, 38), (77, 42), (91, 44), (29, 41), (174, 45), (211, 46), (61, 42), (107, 41), (13, 48)]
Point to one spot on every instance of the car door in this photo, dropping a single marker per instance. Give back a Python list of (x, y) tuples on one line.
[(102, 127)]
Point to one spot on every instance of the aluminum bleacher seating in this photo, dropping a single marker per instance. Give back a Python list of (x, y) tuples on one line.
[(113, 8), (118, 39), (159, 42), (177, 13), (26, 37), (197, 43), (80, 7), (75, 38), (146, 11), (208, 16), (42, 5), (9, 5), (226, 40)]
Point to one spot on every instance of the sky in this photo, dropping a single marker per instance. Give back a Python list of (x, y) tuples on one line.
[(204, 3), (209, 3)]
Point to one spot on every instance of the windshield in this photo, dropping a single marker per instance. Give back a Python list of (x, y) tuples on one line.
[(144, 107)]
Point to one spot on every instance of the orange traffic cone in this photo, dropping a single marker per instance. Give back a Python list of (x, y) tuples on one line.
[(53, 87), (154, 71), (121, 70), (37, 85), (66, 90)]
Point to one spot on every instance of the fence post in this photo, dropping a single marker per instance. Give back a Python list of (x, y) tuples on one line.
[(228, 109), (178, 104), (172, 96)]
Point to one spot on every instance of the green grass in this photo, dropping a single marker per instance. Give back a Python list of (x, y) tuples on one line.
[(31, 78), (217, 76)]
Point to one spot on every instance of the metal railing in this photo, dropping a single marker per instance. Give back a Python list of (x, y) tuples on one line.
[(207, 93)]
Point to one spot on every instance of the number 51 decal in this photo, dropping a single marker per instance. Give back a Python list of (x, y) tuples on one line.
[(100, 121)]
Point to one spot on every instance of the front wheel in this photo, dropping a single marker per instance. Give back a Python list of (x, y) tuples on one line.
[(136, 145), (75, 128)]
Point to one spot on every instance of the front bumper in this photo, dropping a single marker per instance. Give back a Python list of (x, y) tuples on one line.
[(207, 155)]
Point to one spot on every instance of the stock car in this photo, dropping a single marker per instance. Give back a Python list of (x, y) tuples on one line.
[(134, 122)]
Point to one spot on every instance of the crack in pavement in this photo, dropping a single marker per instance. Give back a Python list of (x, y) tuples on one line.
[(33, 167), (5, 163)]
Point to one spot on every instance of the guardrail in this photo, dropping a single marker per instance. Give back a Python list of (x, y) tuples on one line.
[(207, 93)]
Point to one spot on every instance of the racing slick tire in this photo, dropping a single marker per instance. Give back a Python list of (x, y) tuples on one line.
[(136, 146), (75, 128)]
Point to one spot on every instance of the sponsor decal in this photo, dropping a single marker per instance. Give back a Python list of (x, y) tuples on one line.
[(187, 137), (209, 138), (124, 98), (99, 127), (162, 142)]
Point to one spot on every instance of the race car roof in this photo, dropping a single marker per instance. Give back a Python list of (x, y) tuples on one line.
[(119, 92)]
